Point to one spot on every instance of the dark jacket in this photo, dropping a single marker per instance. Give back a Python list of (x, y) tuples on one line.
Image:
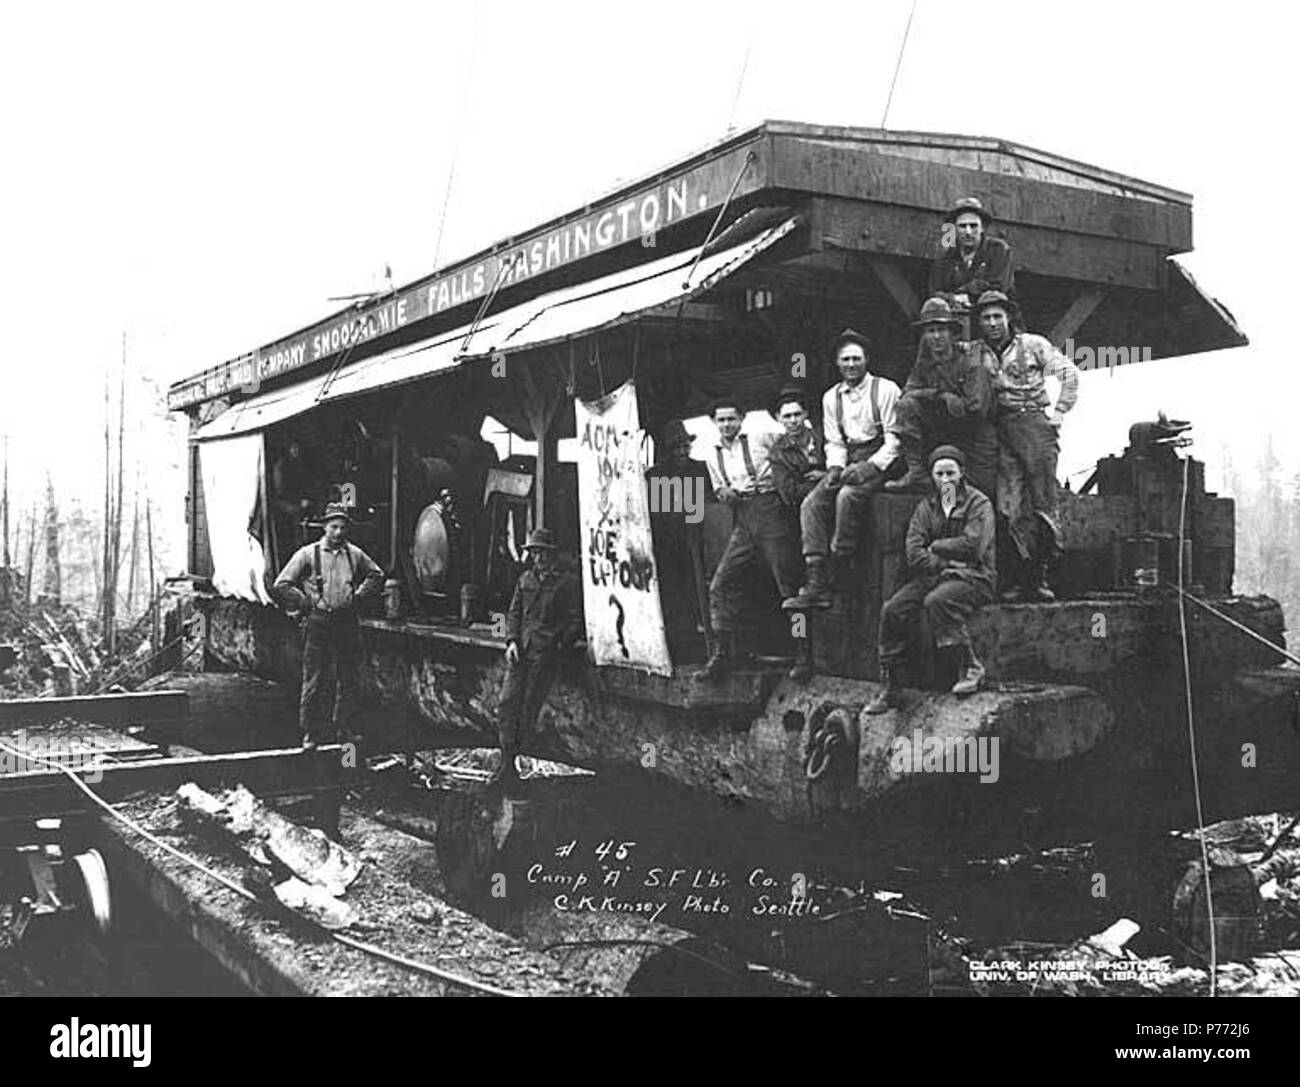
[(791, 458), (990, 270), (964, 375), (963, 541), (545, 612)]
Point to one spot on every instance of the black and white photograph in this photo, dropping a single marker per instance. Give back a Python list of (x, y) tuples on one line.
[(678, 500)]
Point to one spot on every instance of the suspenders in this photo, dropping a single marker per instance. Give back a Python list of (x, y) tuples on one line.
[(319, 574), (873, 393), (749, 462)]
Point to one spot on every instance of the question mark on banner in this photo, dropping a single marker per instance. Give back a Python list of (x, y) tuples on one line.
[(618, 624)]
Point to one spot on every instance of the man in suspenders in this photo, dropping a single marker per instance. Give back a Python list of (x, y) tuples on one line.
[(858, 417), (325, 581), (764, 529)]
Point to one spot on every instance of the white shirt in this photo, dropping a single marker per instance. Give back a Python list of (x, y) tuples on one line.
[(859, 424), (734, 471)]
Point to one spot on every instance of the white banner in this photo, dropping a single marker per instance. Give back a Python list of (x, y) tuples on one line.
[(620, 580)]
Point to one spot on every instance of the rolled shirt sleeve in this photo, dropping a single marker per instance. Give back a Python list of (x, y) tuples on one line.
[(888, 394), (1059, 365), (837, 455)]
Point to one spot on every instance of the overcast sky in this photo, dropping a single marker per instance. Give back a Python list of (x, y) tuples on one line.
[(205, 181)]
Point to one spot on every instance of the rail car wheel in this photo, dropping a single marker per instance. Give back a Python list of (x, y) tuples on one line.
[(94, 878)]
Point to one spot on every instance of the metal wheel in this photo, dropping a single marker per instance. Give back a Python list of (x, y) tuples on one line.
[(94, 875)]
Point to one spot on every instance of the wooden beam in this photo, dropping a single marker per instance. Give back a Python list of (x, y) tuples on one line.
[(842, 224), (896, 284), (1080, 310), (32, 793), (930, 187), (144, 708)]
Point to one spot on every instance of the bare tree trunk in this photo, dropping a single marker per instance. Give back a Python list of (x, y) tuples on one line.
[(31, 551), (156, 609), (53, 585), (8, 559), (105, 616), (135, 556)]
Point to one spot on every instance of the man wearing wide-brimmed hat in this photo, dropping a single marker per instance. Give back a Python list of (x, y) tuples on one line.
[(544, 619), (972, 260), (324, 582), (948, 398), (1029, 427), (951, 567)]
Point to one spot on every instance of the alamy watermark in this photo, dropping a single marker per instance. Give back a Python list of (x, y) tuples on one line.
[(1105, 357), (920, 754), (677, 494), (35, 751)]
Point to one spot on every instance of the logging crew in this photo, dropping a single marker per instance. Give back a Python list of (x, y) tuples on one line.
[(858, 416), (325, 581), (948, 400), (972, 261), (545, 618), (763, 530), (951, 568), (1029, 442)]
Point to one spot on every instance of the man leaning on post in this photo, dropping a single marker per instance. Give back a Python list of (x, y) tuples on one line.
[(324, 582)]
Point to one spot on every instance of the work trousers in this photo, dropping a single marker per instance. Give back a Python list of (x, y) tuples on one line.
[(944, 604), (523, 692), (331, 656), (764, 532), (924, 423), (1028, 447), (835, 514)]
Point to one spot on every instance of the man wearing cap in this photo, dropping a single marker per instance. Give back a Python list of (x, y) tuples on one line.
[(1029, 427), (858, 416), (972, 261), (544, 619), (324, 582), (798, 464), (763, 531), (948, 399), (798, 458), (951, 565)]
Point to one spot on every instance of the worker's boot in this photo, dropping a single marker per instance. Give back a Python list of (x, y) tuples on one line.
[(722, 657), (816, 593), (890, 695), (1036, 587), (803, 663), (916, 479), (972, 673)]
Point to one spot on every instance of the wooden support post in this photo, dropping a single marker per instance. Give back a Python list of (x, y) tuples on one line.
[(540, 412), (897, 286), (392, 499), (1080, 310), (268, 532)]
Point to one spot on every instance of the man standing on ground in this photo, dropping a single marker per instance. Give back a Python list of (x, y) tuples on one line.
[(545, 618), (326, 581), (763, 531), (948, 399), (1029, 442), (951, 565), (858, 416)]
